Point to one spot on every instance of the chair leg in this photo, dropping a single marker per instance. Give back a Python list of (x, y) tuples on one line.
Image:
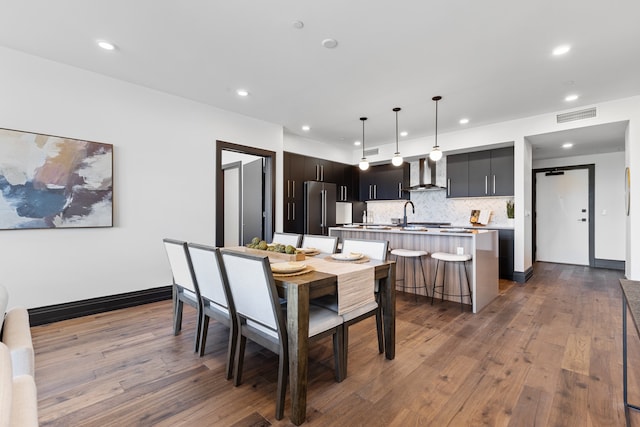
[(199, 315), (424, 277), (204, 330), (237, 368), (435, 280), (338, 353), (460, 286), (283, 376), (468, 284), (177, 316), (231, 350)]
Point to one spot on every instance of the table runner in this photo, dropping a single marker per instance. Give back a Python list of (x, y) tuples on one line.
[(355, 282)]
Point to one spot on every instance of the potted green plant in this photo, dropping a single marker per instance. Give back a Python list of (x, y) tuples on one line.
[(510, 211)]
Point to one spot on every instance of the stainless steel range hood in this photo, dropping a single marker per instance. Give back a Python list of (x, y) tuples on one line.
[(430, 175)]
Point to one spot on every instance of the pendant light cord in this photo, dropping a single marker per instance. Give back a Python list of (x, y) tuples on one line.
[(396, 110), (436, 99), (363, 119)]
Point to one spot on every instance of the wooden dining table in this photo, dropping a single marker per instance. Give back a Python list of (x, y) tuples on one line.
[(298, 290)]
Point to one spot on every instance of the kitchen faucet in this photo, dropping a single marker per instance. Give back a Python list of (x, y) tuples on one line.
[(404, 218)]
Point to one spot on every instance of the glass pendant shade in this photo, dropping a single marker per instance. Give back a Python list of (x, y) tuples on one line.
[(435, 154), (397, 159)]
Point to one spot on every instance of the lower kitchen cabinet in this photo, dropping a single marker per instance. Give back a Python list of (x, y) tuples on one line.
[(505, 255)]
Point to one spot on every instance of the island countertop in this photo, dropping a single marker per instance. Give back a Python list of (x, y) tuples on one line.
[(481, 244)]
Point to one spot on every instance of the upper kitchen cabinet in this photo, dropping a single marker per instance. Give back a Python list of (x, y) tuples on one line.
[(384, 182), (502, 172), (294, 177), (319, 170), (347, 182), (458, 175), (488, 173)]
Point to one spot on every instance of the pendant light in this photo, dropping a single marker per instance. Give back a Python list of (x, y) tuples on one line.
[(397, 158), (364, 165), (436, 154)]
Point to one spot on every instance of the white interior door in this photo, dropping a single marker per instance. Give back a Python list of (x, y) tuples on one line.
[(562, 217)]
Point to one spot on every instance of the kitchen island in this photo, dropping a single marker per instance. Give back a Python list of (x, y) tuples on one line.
[(482, 245)]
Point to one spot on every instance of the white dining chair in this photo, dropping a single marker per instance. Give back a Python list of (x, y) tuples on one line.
[(373, 249), (217, 303), (325, 244), (261, 318), (185, 289), (287, 239)]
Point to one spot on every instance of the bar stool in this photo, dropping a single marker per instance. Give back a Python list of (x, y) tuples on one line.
[(416, 256), (461, 260)]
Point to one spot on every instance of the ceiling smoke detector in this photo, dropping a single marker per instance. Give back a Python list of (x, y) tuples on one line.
[(329, 43)]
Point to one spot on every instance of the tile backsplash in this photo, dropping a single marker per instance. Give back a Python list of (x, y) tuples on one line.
[(433, 206)]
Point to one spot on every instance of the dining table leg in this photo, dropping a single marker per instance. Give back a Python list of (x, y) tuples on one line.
[(298, 339), (388, 286)]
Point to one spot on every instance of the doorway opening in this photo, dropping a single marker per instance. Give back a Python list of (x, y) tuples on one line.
[(563, 216), (248, 173)]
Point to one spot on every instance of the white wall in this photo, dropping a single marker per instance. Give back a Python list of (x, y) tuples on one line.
[(164, 161), (312, 148), (609, 200)]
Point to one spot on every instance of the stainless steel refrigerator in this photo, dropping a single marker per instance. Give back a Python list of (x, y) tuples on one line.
[(319, 207)]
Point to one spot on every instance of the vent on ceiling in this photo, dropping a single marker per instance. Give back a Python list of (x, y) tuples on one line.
[(371, 152), (576, 115)]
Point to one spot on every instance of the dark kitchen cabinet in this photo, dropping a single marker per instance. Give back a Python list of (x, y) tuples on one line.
[(297, 169), (505, 253), (347, 181), (502, 172), (319, 170), (293, 208), (384, 182), (488, 173), (458, 175)]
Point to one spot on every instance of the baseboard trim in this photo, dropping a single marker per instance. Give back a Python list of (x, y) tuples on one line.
[(70, 310), (523, 276), (609, 264)]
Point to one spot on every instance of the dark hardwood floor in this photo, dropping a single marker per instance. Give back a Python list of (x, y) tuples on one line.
[(546, 353)]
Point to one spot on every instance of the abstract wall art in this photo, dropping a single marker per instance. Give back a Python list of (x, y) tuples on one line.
[(54, 182)]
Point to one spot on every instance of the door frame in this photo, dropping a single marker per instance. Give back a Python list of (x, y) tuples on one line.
[(270, 179), (592, 206)]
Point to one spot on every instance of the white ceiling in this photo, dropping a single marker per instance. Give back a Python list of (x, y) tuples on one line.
[(491, 61)]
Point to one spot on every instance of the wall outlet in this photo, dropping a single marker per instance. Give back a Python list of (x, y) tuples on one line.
[(459, 250)]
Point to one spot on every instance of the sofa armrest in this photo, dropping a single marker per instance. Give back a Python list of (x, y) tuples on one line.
[(24, 404), (18, 395), (16, 335)]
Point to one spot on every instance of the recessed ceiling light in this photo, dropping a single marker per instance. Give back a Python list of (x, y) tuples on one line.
[(404, 133), (567, 145), (306, 128), (329, 43), (357, 143), (464, 121), (570, 98), (106, 45), (242, 92), (561, 50), (298, 25)]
